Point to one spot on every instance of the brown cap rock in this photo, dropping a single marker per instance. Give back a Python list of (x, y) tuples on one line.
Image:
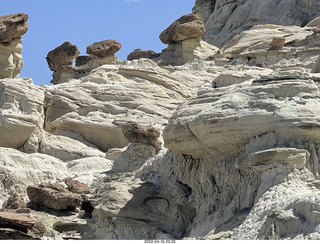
[(104, 48), (186, 27), (136, 133), (139, 53), (62, 56), (13, 26)]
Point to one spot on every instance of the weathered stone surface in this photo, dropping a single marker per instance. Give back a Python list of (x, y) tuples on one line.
[(225, 19), (21, 222), (139, 53), (11, 59), (136, 133), (62, 55), (186, 27), (12, 26), (53, 195), (83, 59), (19, 170), (194, 132), (76, 186), (21, 113), (104, 48), (14, 202)]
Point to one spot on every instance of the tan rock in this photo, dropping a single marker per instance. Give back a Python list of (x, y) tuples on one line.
[(104, 48), (62, 56), (278, 42), (12, 26), (14, 202)]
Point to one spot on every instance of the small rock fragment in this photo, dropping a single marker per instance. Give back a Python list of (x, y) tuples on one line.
[(104, 48)]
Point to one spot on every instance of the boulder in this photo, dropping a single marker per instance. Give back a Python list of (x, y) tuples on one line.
[(104, 48), (62, 55), (278, 42), (186, 27), (83, 59), (139, 53), (21, 222), (53, 195), (12, 26), (136, 133)]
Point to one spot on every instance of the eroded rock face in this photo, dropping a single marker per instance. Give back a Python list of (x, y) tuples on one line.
[(104, 48), (53, 195), (225, 19)]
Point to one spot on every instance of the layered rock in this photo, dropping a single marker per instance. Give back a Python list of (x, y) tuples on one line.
[(225, 19), (12, 27)]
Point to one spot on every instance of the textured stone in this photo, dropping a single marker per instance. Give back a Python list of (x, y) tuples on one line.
[(76, 186), (11, 59), (278, 42), (225, 19), (12, 26), (104, 48), (186, 27), (136, 133), (62, 55), (21, 222), (139, 53), (14, 202), (53, 195), (21, 113)]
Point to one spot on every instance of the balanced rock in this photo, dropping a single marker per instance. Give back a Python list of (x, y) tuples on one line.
[(139, 53), (104, 48), (53, 195), (186, 27), (136, 133), (62, 56), (12, 26)]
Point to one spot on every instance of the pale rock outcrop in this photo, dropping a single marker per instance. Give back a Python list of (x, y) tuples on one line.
[(21, 114), (19, 170), (252, 47), (224, 19), (87, 170), (96, 105), (67, 146), (12, 27)]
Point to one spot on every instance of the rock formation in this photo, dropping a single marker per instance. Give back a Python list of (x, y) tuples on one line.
[(139, 53), (12, 27), (194, 143)]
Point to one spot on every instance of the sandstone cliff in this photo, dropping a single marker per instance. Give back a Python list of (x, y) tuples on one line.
[(202, 141)]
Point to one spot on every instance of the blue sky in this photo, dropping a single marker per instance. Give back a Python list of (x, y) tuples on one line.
[(134, 23)]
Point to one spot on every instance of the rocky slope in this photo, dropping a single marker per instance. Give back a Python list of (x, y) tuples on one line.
[(196, 142)]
